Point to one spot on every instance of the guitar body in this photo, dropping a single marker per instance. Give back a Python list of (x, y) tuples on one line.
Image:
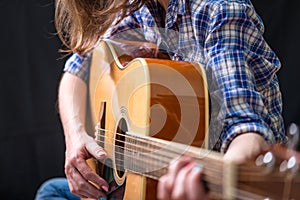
[(147, 111), (153, 97)]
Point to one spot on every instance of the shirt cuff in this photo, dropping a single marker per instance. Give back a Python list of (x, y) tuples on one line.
[(79, 65), (252, 127)]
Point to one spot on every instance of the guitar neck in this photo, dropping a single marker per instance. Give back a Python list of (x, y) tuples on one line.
[(150, 157)]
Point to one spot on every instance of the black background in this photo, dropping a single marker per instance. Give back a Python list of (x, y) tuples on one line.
[(31, 138)]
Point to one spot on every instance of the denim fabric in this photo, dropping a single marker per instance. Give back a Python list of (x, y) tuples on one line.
[(55, 189)]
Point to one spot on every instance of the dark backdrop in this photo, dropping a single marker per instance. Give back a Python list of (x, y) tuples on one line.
[(281, 18), (31, 139)]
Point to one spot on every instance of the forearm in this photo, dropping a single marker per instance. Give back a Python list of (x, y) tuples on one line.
[(72, 104), (79, 145)]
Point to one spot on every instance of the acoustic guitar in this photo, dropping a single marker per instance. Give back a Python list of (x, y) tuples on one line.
[(147, 110)]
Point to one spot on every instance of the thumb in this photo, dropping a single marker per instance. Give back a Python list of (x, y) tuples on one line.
[(95, 150)]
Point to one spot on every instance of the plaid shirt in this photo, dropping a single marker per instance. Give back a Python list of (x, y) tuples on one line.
[(225, 36)]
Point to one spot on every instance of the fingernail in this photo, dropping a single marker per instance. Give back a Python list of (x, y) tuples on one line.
[(197, 168), (101, 154), (105, 188)]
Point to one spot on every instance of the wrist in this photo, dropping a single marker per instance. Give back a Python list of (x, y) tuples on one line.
[(245, 147)]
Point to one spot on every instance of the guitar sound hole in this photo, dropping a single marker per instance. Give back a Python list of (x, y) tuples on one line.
[(119, 147)]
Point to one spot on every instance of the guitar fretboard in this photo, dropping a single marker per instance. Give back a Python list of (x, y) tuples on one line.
[(151, 157)]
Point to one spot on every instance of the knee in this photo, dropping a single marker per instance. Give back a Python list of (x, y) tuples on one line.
[(51, 188)]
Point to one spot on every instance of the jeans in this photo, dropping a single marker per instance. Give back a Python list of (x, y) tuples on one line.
[(55, 189)]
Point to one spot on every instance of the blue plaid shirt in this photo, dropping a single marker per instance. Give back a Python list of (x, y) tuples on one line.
[(225, 36)]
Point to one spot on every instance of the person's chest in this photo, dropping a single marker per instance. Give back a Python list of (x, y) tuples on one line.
[(174, 30)]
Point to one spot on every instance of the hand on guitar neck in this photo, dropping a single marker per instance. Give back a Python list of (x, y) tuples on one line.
[(183, 180), (275, 169)]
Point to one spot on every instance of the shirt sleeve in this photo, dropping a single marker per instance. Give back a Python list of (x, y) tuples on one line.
[(78, 65), (243, 67)]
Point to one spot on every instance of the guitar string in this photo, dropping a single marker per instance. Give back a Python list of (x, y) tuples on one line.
[(157, 144), (167, 161), (208, 177), (255, 173), (246, 169), (212, 173), (138, 138), (162, 164), (139, 161), (150, 146), (150, 152), (147, 142), (214, 185)]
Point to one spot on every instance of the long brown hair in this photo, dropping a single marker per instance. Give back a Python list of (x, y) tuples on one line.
[(80, 23)]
